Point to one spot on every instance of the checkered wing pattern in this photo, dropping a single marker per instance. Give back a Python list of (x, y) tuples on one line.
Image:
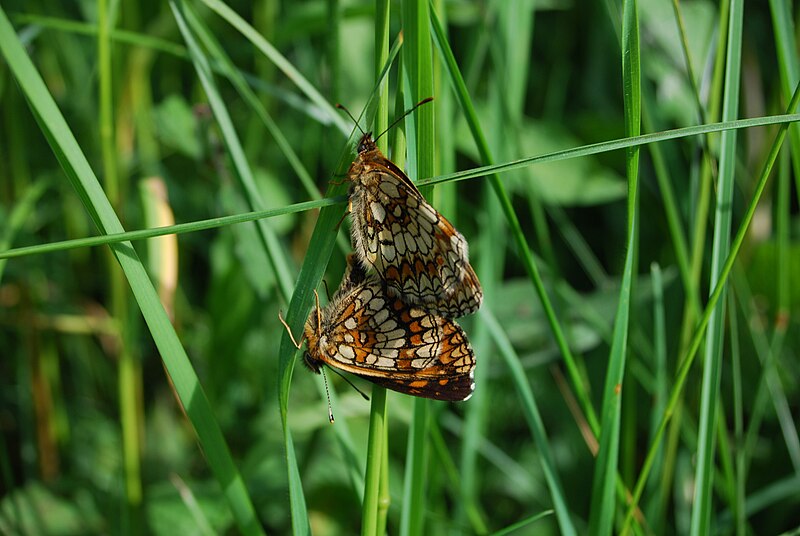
[(385, 341), (421, 257)]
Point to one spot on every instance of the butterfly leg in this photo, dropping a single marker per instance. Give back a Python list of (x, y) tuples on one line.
[(289, 331), (346, 212), (339, 182)]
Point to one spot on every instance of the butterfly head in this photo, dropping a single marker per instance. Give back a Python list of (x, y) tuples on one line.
[(366, 143), (313, 364)]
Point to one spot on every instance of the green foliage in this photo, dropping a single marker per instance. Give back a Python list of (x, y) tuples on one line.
[(147, 386)]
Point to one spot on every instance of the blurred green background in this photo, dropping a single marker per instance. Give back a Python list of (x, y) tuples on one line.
[(94, 439)]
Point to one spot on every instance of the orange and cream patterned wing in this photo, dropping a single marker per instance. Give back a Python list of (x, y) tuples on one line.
[(402, 348)]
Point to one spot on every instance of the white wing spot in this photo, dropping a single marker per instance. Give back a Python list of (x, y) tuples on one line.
[(378, 212), (389, 189), (347, 352)]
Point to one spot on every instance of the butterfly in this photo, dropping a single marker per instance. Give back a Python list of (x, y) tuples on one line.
[(420, 256), (385, 341)]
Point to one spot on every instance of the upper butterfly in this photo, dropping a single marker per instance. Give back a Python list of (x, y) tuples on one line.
[(420, 256), (383, 340)]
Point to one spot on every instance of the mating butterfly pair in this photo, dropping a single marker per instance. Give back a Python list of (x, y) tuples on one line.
[(395, 328)]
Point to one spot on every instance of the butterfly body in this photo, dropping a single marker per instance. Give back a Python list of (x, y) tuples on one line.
[(381, 339), (420, 256)]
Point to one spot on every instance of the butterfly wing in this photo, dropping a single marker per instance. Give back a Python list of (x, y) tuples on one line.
[(402, 348), (418, 253)]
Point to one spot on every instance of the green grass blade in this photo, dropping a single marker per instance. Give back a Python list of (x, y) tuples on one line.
[(512, 529), (601, 518), (738, 504), (86, 185), (417, 77), (371, 514), (118, 35), (613, 145), (712, 360), (376, 479), (177, 229)]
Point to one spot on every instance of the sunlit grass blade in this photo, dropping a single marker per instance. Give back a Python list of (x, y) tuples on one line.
[(83, 180), (177, 229), (613, 145), (223, 221)]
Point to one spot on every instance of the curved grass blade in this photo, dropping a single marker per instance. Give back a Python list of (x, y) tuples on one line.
[(280, 62), (86, 185), (270, 243), (228, 70)]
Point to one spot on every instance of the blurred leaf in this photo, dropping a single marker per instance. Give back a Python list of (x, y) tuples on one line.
[(177, 126)]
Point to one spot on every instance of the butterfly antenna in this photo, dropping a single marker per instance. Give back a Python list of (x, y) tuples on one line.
[(327, 395), (341, 107), (359, 391), (289, 331), (390, 127)]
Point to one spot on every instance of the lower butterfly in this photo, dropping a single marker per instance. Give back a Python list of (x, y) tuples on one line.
[(383, 340)]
